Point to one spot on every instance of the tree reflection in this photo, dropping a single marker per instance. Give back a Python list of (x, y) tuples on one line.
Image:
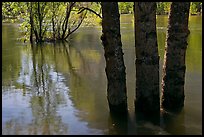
[(87, 83), (45, 97), (47, 73), (11, 56)]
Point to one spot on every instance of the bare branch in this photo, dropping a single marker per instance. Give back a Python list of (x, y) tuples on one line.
[(84, 8), (76, 27)]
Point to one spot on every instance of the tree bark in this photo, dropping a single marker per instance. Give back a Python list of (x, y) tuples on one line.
[(147, 59), (174, 59), (115, 68)]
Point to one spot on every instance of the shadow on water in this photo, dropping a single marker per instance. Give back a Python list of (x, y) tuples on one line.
[(173, 121), (118, 124), (162, 123), (146, 124)]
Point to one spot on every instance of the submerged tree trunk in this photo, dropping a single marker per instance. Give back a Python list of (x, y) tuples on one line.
[(115, 68), (147, 58), (174, 58)]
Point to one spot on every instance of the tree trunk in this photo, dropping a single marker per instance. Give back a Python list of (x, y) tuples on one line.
[(53, 20), (40, 22), (30, 8), (147, 58), (115, 68), (174, 59)]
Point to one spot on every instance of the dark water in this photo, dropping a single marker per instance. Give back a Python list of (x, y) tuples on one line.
[(61, 88)]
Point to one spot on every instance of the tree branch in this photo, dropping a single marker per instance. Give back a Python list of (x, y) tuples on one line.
[(76, 27), (83, 8)]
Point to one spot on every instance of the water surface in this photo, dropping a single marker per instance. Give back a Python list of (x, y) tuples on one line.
[(61, 88)]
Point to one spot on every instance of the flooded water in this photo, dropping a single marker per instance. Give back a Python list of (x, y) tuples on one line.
[(61, 88)]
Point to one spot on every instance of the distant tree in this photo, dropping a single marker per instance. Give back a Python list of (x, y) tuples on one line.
[(195, 8), (13, 10), (163, 8), (125, 7)]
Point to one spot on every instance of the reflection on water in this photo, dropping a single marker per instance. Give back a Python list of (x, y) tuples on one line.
[(61, 88)]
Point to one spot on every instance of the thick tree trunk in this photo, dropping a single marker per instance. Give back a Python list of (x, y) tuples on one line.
[(147, 58), (174, 58), (115, 68)]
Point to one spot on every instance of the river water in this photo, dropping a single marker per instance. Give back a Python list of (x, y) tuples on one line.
[(61, 88)]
